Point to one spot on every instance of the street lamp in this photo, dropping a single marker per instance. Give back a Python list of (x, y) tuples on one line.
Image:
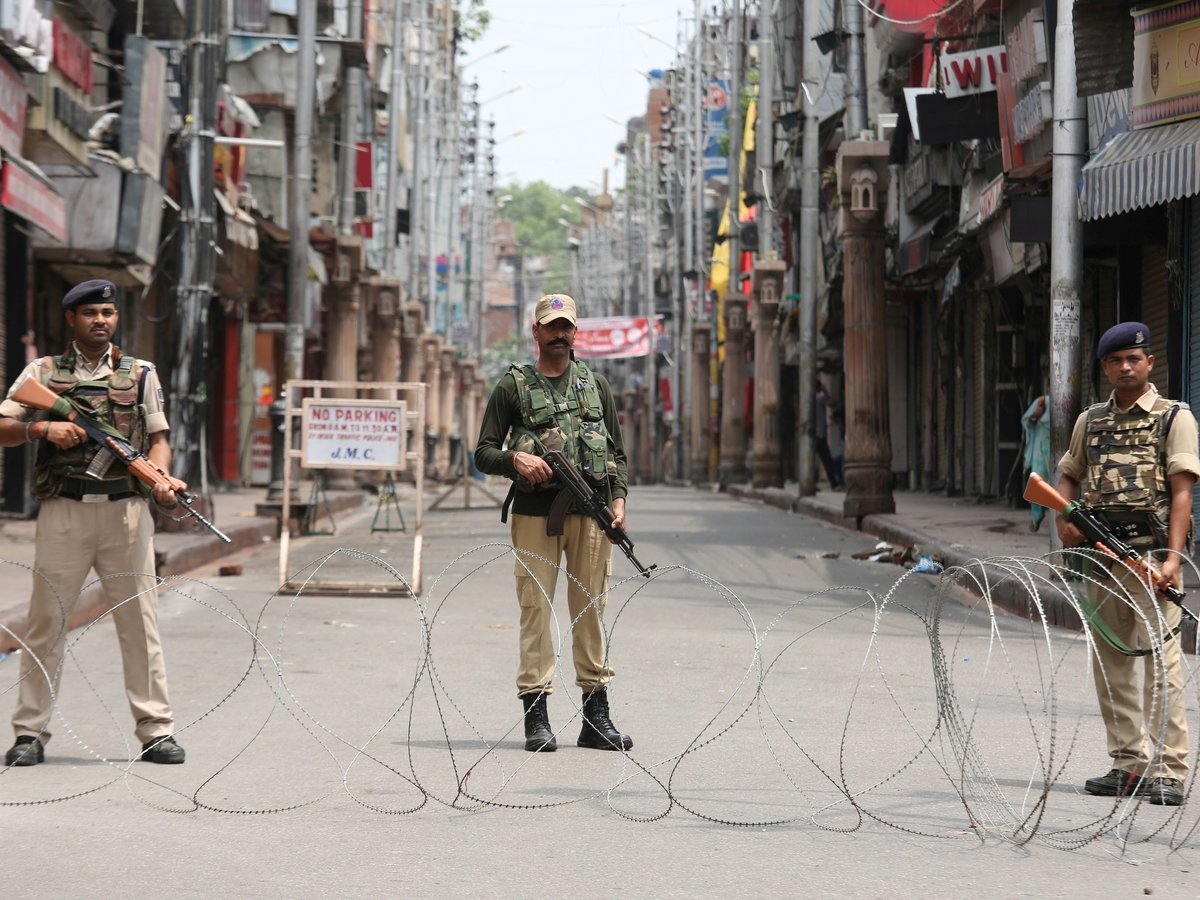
[(511, 90), (655, 37), (499, 49)]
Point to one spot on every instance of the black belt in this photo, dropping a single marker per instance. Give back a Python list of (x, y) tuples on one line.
[(79, 495)]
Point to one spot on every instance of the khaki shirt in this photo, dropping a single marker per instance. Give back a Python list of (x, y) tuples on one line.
[(1182, 455), (152, 393)]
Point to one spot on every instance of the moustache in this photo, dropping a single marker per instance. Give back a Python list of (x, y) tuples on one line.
[(560, 342)]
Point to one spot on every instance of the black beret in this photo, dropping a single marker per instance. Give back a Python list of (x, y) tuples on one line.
[(1126, 336), (95, 291)]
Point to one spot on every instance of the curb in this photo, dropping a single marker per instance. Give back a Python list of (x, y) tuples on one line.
[(1007, 593)]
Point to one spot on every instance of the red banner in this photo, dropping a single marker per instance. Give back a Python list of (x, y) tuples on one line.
[(34, 200), (615, 337)]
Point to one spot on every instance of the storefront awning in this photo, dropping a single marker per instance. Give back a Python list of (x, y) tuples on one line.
[(1143, 168), (914, 252)]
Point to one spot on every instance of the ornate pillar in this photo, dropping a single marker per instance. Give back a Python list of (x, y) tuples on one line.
[(732, 466), (384, 308), (446, 424), (431, 374), (629, 428), (701, 389), (410, 344), (768, 288), (341, 332), (862, 178)]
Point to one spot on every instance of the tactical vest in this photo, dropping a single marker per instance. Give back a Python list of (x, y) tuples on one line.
[(572, 422), (116, 400), (1126, 480)]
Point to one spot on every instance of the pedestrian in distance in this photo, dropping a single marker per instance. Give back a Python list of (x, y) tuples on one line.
[(1134, 458), (833, 471), (93, 521), (558, 404)]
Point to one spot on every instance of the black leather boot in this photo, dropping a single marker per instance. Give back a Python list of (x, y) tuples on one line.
[(599, 733), (538, 736)]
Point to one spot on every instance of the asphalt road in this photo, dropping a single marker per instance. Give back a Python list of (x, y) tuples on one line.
[(804, 724)]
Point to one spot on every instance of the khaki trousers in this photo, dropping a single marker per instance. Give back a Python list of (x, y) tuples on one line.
[(589, 559), (1146, 725), (117, 540)]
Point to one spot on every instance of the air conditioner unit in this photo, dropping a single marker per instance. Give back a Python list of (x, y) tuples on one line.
[(886, 125)]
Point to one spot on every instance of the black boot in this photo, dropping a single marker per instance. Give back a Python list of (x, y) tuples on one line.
[(538, 736), (599, 733)]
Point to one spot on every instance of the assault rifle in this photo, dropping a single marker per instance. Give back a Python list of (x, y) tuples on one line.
[(1102, 537), (112, 446), (587, 502)]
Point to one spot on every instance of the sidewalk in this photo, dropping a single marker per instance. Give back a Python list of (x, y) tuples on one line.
[(237, 512)]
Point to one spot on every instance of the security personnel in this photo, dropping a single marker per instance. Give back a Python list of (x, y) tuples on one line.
[(85, 522), (1135, 458), (558, 403)]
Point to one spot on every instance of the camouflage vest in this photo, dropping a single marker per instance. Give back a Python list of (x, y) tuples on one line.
[(571, 422), (116, 400), (1126, 480)]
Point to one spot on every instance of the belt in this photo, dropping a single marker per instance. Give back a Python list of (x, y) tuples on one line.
[(96, 498)]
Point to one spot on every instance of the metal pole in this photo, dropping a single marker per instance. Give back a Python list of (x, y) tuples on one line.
[(395, 108), (810, 187), (734, 115), (1066, 239), (306, 73), (650, 179), (856, 69), (415, 194), (351, 125), (765, 130)]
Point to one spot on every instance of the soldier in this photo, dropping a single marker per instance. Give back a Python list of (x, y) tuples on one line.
[(85, 522), (1135, 457), (558, 404)]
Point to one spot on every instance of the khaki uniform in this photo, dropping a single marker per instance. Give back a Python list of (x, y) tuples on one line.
[(1147, 726), (115, 537)]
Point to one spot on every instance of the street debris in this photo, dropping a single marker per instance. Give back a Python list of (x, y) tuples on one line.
[(909, 557)]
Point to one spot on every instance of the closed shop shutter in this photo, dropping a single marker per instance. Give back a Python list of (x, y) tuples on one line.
[(1191, 385), (1154, 312)]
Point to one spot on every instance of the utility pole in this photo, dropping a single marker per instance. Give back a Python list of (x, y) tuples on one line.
[(298, 203), (765, 131), (1066, 239), (650, 178), (187, 435), (810, 187), (856, 71), (734, 117), (396, 107), (415, 193)]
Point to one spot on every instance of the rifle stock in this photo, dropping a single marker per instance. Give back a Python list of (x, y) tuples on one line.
[(1099, 535), (588, 502), (36, 395)]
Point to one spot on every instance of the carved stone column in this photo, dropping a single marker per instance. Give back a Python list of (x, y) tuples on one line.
[(630, 421), (732, 467), (431, 374), (862, 178), (410, 344), (385, 331), (768, 288), (446, 423)]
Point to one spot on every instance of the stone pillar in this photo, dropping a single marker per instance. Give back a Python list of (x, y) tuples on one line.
[(732, 467), (701, 390), (468, 403), (343, 298), (385, 331), (645, 435), (431, 374), (446, 423), (768, 288), (629, 428), (410, 343), (862, 177)]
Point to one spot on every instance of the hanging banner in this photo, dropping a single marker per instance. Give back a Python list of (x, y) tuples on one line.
[(614, 337)]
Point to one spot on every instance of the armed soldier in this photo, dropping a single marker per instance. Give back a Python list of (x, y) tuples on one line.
[(558, 404), (1135, 457), (87, 522)]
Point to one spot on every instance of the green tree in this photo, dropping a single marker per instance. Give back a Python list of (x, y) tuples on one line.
[(534, 210), (471, 20)]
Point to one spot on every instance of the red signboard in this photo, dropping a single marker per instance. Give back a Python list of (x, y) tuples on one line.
[(34, 200), (72, 56), (13, 97), (615, 337)]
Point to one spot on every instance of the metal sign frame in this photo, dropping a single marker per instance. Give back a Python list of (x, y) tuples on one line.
[(409, 396)]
